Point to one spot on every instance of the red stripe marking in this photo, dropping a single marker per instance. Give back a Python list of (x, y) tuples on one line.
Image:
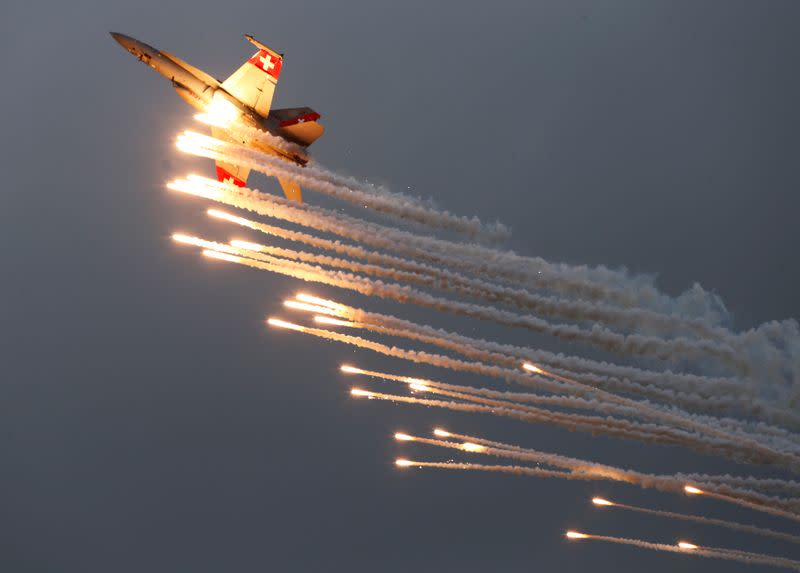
[(268, 63), (225, 177), (313, 116)]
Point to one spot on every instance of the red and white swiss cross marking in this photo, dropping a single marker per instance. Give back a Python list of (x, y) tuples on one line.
[(313, 116), (268, 63), (225, 177)]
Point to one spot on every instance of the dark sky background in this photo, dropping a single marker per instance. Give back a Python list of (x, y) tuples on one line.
[(148, 419)]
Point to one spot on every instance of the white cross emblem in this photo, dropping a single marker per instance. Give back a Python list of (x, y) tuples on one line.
[(266, 63)]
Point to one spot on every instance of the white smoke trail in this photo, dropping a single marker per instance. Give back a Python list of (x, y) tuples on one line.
[(730, 447), (774, 346), (763, 484), (444, 279), (257, 136), (777, 437), (650, 433), (599, 336), (691, 391), (734, 525), (263, 139), (710, 552), (325, 182), (608, 286), (515, 402), (746, 492), (635, 344), (403, 294), (743, 497)]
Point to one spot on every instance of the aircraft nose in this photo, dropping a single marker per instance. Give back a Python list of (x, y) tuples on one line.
[(125, 41)]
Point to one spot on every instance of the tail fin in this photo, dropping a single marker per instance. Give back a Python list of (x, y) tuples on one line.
[(254, 82)]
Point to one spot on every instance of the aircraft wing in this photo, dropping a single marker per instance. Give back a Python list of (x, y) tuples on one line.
[(237, 175), (228, 172), (254, 82)]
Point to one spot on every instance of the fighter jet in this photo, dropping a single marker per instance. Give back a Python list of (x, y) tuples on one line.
[(245, 97)]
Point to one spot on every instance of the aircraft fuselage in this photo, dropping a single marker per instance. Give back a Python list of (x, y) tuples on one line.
[(199, 90)]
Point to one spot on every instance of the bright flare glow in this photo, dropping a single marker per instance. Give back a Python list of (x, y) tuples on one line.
[(419, 387), (601, 501), (195, 178), (197, 143), (222, 256), (194, 188), (209, 119), (189, 147), (283, 324), (532, 368), (576, 535), (403, 437), (441, 433), (308, 307), (220, 112), (410, 380), (198, 140), (333, 321), (247, 246), (318, 301), (403, 463), (691, 490), (185, 239), (351, 369), (217, 214), (360, 392), (472, 447), (686, 545)]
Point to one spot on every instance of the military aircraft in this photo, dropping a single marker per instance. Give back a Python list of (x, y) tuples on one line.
[(245, 97)]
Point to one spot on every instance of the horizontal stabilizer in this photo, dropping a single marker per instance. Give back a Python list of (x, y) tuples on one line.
[(298, 124)]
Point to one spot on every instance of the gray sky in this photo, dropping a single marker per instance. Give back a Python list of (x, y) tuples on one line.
[(150, 422)]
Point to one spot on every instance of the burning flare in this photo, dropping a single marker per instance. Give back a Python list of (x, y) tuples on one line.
[(532, 368), (472, 447), (221, 256), (301, 296), (284, 324), (576, 535), (293, 304), (246, 245), (350, 369), (333, 321)]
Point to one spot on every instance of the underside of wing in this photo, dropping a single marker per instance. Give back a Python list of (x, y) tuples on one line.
[(228, 172)]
